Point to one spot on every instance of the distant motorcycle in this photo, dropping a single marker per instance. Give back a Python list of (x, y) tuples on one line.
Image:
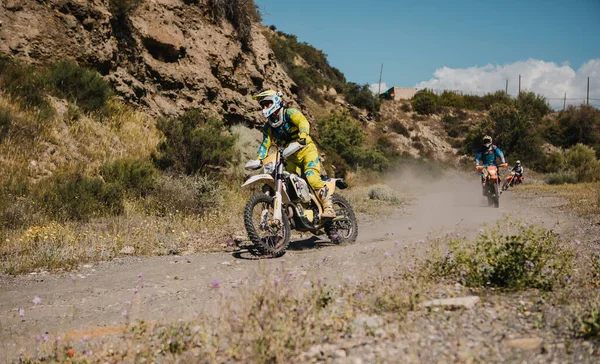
[(492, 183), (512, 180)]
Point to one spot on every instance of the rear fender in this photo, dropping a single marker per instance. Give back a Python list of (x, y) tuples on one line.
[(333, 183)]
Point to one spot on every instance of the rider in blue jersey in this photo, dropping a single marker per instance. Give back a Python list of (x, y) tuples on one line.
[(488, 155)]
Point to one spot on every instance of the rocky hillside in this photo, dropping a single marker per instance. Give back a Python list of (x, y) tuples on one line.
[(165, 55), (168, 56)]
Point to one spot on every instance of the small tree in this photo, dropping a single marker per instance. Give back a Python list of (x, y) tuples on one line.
[(193, 142), (425, 102)]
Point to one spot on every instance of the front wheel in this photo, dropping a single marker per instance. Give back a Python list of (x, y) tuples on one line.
[(269, 239), (344, 227), (505, 185), (496, 196)]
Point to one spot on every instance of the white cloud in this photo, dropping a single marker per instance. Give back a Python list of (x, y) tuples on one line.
[(545, 78), (375, 87)]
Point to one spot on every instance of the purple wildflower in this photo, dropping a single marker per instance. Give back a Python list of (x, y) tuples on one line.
[(21, 312), (387, 254), (421, 241), (306, 284), (36, 300), (135, 290), (215, 284), (89, 353), (276, 282), (359, 296), (264, 308), (577, 241), (127, 303), (140, 276), (410, 228), (524, 225), (409, 268), (481, 231), (124, 313)]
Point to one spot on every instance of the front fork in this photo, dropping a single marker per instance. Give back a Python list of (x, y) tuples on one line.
[(277, 213)]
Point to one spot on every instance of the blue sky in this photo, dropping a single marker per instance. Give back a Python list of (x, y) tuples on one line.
[(415, 38)]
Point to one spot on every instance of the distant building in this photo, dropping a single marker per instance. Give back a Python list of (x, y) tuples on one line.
[(399, 93)]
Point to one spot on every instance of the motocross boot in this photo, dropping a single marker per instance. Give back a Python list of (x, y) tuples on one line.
[(325, 197), (483, 190)]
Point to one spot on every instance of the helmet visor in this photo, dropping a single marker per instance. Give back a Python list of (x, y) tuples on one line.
[(265, 104)]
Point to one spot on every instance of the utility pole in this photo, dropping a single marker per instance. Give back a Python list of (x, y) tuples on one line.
[(506, 90), (565, 102), (380, 74), (587, 99), (519, 84)]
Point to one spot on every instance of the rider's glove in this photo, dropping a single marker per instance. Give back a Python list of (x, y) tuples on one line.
[(302, 141)]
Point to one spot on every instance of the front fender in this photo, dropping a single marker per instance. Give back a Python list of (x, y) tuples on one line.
[(263, 178)]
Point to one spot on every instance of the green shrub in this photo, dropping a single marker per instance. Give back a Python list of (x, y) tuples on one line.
[(240, 13), (122, 9), (77, 84), (362, 97), (532, 105), (384, 193), (514, 255), (581, 160), (342, 134), (136, 177), (26, 84), (189, 195), (586, 323), (560, 178), (406, 107), (399, 128), (577, 125), (78, 197), (194, 142), (552, 162), (425, 102)]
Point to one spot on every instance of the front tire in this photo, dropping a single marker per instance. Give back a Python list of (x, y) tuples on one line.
[(268, 240), (496, 196), (343, 228)]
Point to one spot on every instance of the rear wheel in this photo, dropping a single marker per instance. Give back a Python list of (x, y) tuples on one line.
[(344, 227), (269, 240)]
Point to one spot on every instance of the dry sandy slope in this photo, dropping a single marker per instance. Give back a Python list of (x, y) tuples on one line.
[(91, 301)]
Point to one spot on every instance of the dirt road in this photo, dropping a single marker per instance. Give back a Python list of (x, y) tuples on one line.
[(100, 298)]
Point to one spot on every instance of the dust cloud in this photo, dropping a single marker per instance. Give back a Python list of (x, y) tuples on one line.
[(443, 200)]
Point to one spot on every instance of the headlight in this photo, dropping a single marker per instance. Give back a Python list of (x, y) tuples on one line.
[(269, 167)]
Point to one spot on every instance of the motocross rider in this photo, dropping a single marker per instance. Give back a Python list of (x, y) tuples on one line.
[(285, 125), (487, 155), (518, 169)]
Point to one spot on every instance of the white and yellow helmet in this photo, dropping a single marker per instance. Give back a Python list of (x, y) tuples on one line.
[(270, 101)]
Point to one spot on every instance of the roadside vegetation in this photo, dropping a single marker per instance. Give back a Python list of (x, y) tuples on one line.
[(285, 315)]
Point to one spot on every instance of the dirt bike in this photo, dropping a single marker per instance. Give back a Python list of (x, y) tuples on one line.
[(512, 180), (492, 183), (287, 203)]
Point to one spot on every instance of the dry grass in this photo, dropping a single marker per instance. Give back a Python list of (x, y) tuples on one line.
[(54, 245), (583, 198), (272, 320)]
